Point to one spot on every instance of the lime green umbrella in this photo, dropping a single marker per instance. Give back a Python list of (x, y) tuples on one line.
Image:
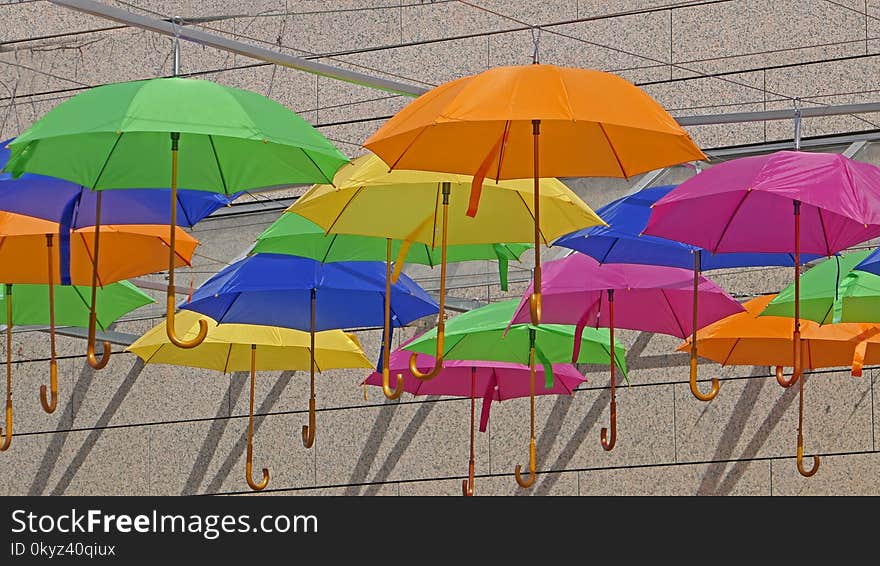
[(296, 235), (156, 133), (833, 292), (479, 334), (71, 308)]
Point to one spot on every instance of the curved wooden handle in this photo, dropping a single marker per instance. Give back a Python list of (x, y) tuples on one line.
[(93, 360), (169, 326), (532, 476), (249, 465), (716, 385), (608, 444), (467, 486), (386, 384), (308, 431), (800, 461), (50, 403), (438, 362), (7, 438)]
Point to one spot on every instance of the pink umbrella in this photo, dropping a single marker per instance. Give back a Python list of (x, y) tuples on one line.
[(784, 202), (581, 291), (493, 381)]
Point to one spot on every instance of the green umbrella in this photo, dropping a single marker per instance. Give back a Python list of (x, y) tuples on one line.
[(157, 133), (479, 334), (72, 308), (833, 292), (296, 235)]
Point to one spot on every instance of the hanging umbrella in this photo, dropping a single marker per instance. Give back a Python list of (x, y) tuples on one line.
[(73, 205), (532, 121), (748, 339), (484, 334), (622, 241), (297, 235), (491, 381), (783, 202), (304, 294), (650, 298), (833, 291), (431, 210), (243, 347), (161, 132), (134, 250), (71, 309)]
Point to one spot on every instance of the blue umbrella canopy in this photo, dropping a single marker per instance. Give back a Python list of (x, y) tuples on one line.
[(72, 205), (621, 241), (276, 290), (305, 294), (871, 264)]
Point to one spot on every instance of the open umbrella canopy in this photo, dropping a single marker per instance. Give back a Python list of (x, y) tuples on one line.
[(746, 204), (871, 263), (296, 235), (127, 251), (622, 241), (496, 380), (276, 290), (593, 124), (369, 200), (227, 347), (73, 205), (833, 291), (118, 136), (31, 304), (479, 334), (647, 297)]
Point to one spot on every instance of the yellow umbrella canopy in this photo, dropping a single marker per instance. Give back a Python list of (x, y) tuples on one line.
[(428, 207), (248, 347)]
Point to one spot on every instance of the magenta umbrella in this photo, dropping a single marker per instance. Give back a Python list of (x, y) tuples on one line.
[(652, 298), (784, 202), (493, 381)]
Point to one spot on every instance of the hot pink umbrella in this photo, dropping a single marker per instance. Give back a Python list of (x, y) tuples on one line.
[(493, 381), (784, 202), (652, 298)]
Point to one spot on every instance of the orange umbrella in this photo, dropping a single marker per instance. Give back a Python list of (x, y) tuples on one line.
[(748, 339), (31, 252), (533, 121)]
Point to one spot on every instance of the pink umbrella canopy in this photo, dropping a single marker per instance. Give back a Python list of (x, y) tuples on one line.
[(490, 380), (783, 202), (745, 205), (651, 298)]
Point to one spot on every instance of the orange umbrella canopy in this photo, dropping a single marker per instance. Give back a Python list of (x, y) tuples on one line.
[(748, 339), (126, 250), (592, 123)]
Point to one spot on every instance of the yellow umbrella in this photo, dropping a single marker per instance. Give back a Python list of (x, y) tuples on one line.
[(430, 207), (234, 347)]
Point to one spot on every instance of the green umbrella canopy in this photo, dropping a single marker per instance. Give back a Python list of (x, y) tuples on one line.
[(30, 303), (479, 335), (296, 235), (832, 292), (118, 136)]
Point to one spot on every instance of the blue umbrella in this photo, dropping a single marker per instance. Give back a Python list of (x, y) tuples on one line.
[(622, 242), (305, 294), (871, 264), (74, 206)]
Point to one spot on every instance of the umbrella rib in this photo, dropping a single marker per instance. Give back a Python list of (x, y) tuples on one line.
[(729, 220), (674, 316), (408, 146), (183, 259), (436, 211), (608, 253), (219, 169), (730, 352), (228, 355), (86, 305), (106, 161), (88, 253), (824, 232), (329, 246), (540, 230), (613, 150), (501, 152), (321, 171), (344, 207)]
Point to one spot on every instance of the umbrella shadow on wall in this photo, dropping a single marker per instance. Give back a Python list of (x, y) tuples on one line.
[(56, 445)]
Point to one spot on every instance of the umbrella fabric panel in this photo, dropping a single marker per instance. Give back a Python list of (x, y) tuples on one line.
[(871, 264), (30, 303)]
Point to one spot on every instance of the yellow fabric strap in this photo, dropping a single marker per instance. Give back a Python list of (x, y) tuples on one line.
[(401, 258)]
